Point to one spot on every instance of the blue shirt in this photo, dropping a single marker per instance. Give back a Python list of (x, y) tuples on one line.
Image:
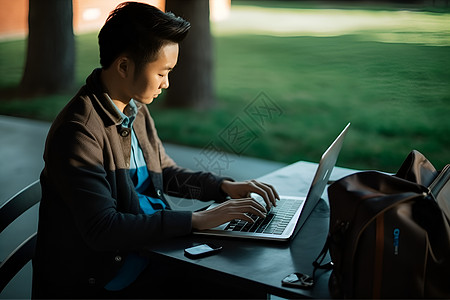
[(134, 264)]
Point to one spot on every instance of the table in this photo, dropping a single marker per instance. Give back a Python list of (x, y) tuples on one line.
[(261, 265)]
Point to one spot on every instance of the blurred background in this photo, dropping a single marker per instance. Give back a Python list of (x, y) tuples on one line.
[(259, 84), (275, 80)]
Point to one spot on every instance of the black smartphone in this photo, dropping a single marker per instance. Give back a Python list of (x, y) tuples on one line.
[(298, 280), (202, 250)]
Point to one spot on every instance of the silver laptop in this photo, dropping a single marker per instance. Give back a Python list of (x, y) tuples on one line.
[(284, 221)]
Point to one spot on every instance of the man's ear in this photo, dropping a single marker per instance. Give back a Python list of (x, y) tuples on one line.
[(123, 66)]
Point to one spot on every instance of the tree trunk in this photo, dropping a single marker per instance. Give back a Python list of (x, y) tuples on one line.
[(191, 82), (50, 64)]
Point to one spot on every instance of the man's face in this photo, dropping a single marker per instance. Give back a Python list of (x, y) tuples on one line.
[(154, 76)]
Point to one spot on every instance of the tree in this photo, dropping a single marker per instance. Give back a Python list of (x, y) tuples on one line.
[(50, 63), (191, 82)]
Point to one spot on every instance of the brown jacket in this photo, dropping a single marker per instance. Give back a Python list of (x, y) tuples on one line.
[(89, 214)]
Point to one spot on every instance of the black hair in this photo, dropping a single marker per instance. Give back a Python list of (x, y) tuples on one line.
[(139, 30)]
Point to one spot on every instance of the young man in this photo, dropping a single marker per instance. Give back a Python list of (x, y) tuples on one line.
[(106, 171)]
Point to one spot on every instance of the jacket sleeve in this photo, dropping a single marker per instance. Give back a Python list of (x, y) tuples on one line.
[(183, 183)]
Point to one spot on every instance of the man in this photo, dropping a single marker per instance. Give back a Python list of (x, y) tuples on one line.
[(106, 172)]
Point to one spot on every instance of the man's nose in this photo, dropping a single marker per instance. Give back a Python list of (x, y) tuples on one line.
[(165, 83)]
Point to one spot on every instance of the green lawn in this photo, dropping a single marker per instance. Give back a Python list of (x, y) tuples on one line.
[(396, 92)]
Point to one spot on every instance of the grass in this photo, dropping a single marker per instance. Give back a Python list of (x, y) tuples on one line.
[(396, 94)]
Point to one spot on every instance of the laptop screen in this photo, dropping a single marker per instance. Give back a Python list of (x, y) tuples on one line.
[(326, 165)]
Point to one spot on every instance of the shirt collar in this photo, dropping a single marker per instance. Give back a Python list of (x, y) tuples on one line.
[(129, 116)]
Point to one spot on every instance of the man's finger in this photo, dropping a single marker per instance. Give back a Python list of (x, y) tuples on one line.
[(266, 192)]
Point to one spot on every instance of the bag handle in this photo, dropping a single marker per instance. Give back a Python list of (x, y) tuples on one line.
[(418, 169)]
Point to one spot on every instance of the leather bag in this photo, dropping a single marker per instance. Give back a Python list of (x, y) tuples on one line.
[(389, 235)]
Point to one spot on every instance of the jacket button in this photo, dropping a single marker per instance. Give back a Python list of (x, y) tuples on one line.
[(124, 133), (91, 281), (118, 258)]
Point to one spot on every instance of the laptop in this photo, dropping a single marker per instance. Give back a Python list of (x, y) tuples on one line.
[(284, 221)]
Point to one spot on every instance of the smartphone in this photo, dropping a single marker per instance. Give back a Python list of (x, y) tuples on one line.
[(202, 250), (298, 280)]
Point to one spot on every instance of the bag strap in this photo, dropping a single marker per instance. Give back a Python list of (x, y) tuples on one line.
[(317, 263)]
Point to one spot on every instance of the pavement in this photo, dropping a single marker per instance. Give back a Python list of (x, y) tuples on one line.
[(22, 146)]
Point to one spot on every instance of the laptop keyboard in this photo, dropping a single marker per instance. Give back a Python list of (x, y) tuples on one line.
[(275, 221)]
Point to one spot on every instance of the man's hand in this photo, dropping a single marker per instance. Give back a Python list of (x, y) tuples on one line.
[(227, 211), (243, 190), (239, 207)]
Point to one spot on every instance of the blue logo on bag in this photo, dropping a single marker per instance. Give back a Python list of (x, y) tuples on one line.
[(396, 240)]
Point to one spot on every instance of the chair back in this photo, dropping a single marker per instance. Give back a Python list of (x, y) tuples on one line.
[(10, 211)]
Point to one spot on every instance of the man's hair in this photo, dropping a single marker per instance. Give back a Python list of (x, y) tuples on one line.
[(139, 30)]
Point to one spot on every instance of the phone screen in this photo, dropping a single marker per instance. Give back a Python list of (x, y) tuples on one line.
[(201, 250)]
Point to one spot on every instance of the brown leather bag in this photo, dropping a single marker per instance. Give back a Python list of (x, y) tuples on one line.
[(389, 235)]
